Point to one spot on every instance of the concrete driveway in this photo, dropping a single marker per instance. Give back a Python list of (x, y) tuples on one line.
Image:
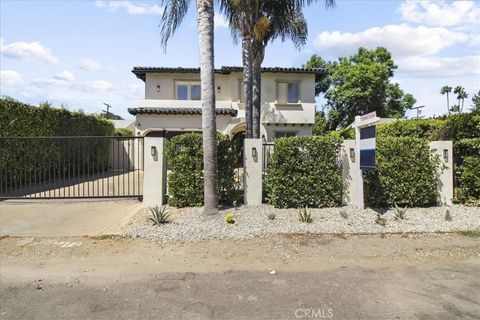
[(65, 218)]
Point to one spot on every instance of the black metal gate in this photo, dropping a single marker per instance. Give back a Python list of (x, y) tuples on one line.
[(71, 167)]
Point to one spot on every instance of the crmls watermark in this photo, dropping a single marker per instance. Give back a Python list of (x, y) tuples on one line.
[(311, 313)]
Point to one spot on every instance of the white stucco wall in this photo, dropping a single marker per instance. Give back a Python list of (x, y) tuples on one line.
[(287, 117), (153, 122)]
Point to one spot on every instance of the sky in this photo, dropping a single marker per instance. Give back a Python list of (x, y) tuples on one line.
[(80, 54)]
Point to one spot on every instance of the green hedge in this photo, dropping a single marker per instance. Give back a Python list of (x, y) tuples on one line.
[(406, 174), (304, 171), (454, 127), (185, 160), (467, 172), (26, 161), (19, 119)]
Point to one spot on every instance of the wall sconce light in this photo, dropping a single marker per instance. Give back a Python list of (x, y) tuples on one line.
[(445, 155), (153, 151), (158, 88), (352, 154), (219, 89), (254, 153)]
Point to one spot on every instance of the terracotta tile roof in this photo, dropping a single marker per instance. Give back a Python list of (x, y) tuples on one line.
[(141, 71), (179, 110)]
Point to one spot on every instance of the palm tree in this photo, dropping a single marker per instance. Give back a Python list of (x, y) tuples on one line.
[(174, 12), (461, 96), (258, 22), (242, 15), (447, 90), (281, 23)]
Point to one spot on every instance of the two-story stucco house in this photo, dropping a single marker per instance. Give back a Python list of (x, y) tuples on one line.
[(172, 101)]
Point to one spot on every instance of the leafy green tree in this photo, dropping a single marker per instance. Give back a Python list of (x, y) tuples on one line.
[(320, 126), (361, 84), (323, 84), (446, 90)]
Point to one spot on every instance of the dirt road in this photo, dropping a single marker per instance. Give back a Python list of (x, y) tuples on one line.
[(316, 277)]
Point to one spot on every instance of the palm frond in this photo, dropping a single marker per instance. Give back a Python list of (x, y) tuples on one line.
[(172, 17)]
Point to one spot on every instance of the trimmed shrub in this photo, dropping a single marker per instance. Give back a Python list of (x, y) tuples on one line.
[(185, 160), (406, 174), (469, 180), (453, 127), (430, 129), (305, 172), (467, 173)]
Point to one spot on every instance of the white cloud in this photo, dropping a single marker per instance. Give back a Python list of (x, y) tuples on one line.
[(97, 85), (435, 67), (402, 40), (90, 65), (66, 79), (441, 13), (10, 78), (130, 7), (220, 21), (28, 50), (65, 75)]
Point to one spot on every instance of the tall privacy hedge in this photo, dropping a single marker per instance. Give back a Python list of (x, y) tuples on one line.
[(19, 119), (185, 160), (304, 171), (406, 174), (31, 161), (467, 173)]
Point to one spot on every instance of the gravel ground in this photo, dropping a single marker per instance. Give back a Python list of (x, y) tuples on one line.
[(188, 224)]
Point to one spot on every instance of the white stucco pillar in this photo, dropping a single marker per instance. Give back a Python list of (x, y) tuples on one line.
[(253, 162), (444, 149), (154, 172), (348, 162)]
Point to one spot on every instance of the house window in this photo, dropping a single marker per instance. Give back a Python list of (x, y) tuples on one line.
[(288, 92), (285, 134), (188, 90)]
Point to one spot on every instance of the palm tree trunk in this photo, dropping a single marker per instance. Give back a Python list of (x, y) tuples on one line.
[(209, 126), (258, 55), (247, 81), (448, 105)]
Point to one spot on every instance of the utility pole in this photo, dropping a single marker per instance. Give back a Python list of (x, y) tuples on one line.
[(108, 108), (419, 112)]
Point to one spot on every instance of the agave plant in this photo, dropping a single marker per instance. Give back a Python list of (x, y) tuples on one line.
[(380, 220), (159, 215), (304, 215), (400, 213)]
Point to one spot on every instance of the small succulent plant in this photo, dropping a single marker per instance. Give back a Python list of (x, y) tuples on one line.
[(448, 216), (380, 220), (343, 214), (400, 213), (304, 215), (229, 218), (271, 216), (160, 215)]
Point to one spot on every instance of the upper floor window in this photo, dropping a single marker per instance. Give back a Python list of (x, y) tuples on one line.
[(288, 92), (188, 90)]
